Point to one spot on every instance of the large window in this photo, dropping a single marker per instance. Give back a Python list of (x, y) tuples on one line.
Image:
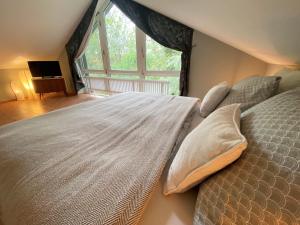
[(118, 50)]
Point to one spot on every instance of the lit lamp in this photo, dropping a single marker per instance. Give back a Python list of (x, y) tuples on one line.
[(28, 86), (17, 90)]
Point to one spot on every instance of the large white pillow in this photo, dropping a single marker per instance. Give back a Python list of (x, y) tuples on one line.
[(213, 144), (213, 98)]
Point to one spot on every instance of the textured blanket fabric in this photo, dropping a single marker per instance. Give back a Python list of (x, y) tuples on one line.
[(263, 186), (100, 170)]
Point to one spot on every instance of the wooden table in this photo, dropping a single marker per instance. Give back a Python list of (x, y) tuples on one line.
[(48, 85)]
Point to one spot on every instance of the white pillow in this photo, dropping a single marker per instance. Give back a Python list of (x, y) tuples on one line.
[(212, 145), (289, 80), (213, 98)]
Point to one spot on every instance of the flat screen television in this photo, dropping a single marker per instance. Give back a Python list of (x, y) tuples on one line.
[(44, 68)]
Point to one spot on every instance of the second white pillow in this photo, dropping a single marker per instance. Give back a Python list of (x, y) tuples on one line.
[(213, 97)]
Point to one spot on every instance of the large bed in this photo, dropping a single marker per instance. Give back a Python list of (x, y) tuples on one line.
[(98, 162), (105, 162)]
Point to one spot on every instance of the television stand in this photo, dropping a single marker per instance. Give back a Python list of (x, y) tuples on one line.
[(48, 85)]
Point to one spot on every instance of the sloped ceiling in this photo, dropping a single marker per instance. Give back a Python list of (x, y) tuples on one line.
[(36, 29), (266, 29)]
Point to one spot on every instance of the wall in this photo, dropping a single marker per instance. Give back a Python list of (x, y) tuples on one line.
[(273, 68), (247, 65), (15, 83), (214, 61)]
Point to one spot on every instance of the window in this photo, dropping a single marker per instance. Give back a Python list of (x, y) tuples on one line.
[(161, 58), (93, 51), (121, 40), (118, 50), (124, 76)]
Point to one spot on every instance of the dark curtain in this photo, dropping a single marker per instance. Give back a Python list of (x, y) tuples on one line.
[(75, 42), (165, 31)]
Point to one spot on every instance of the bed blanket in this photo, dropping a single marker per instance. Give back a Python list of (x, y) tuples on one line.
[(93, 163)]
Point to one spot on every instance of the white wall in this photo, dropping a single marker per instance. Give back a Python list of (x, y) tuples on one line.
[(214, 61), (274, 68)]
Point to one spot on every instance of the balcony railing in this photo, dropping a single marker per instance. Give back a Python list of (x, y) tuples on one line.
[(111, 86)]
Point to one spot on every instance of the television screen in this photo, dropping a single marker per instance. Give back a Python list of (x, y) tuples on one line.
[(44, 68)]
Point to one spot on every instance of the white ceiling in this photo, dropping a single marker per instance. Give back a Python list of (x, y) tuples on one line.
[(267, 29), (36, 29)]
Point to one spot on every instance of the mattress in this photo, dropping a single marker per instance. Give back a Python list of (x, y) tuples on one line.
[(175, 209)]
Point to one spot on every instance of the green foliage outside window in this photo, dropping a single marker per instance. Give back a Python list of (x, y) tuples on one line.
[(160, 58), (93, 51), (121, 40), (125, 76)]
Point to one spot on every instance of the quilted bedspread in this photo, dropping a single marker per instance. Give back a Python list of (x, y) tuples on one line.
[(263, 186), (93, 163)]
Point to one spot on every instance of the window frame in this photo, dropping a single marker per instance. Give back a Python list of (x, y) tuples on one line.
[(141, 71)]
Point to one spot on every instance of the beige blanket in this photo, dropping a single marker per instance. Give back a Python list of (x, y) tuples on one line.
[(93, 163)]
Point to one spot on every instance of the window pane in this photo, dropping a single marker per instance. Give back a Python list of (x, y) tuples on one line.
[(125, 76), (97, 75), (93, 51), (160, 58), (173, 83), (121, 40)]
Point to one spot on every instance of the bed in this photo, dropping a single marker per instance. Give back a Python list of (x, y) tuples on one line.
[(97, 162), (117, 178)]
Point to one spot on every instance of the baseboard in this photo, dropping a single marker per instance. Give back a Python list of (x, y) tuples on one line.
[(10, 100), (72, 94)]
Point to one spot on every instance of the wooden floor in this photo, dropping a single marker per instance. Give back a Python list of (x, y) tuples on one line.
[(18, 110)]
